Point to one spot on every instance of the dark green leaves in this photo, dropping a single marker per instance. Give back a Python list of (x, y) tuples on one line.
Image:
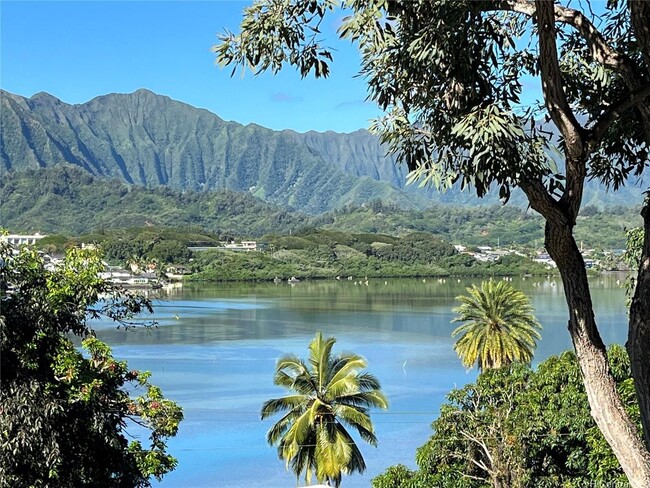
[(65, 414), (519, 427), (276, 33)]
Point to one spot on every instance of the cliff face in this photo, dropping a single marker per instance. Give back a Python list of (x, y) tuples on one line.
[(151, 140)]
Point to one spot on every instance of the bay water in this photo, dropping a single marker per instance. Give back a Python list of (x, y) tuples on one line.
[(216, 346)]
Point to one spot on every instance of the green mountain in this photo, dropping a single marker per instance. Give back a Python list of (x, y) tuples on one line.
[(151, 140), (66, 199)]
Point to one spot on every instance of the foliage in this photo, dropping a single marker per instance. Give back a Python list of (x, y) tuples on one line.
[(518, 427), (319, 253), (417, 248), (86, 204), (55, 243), (150, 245), (499, 326), (483, 225), (66, 414), (634, 247), (112, 211), (327, 393), (170, 251), (632, 257), (449, 75)]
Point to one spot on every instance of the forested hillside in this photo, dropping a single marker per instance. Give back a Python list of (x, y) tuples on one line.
[(151, 140), (67, 200)]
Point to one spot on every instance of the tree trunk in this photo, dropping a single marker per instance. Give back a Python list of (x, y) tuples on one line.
[(606, 406), (638, 341)]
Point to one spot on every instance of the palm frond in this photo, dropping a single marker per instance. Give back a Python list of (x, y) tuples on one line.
[(346, 368), (276, 405), (319, 356), (280, 428), (328, 393), (498, 326), (364, 399)]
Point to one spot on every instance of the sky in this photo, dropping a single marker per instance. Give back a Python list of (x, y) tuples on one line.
[(78, 50)]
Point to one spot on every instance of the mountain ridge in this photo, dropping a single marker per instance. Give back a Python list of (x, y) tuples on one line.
[(153, 140)]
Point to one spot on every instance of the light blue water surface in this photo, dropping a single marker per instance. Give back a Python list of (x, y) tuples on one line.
[(216, 347)]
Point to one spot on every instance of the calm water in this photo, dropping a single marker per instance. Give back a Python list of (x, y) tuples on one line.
[(216, 348)]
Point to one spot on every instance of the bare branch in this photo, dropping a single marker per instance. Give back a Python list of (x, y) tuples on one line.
[(541, 201), (483, 446), (471, 477)]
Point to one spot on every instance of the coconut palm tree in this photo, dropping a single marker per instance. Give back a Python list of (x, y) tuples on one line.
[(327, 394), (499, 326)]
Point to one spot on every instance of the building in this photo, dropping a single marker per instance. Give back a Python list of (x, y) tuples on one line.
[(242, 246), (22, 239)]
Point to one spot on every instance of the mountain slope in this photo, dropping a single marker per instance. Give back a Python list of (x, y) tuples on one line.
[(151, 140), (66, 199)]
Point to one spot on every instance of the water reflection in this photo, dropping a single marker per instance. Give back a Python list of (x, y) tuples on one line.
[(216, 347)]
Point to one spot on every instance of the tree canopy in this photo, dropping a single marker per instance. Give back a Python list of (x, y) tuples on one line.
[(450, 75), (517, 427), (66, 414), (499, 326)]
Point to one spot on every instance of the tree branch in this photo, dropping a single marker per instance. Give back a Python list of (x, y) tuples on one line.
[(552, 84), (598, 131), (483, 446), (541, 201), (601, 51), (640, 19), (559, 109)]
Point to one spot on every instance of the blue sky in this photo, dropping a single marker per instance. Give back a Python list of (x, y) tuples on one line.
[(79, 50)]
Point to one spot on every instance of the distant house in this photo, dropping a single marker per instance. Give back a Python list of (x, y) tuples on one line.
[(175, 272), (544, 258), (22, 239), (481, 256), (178, 269), (228, 246), (122, 277), (242, 246), (486, 253)]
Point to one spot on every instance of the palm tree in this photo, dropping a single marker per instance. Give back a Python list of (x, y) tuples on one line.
[(500, 326), (328, 394)]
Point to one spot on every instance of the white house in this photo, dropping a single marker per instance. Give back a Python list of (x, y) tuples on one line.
[(21, 239)]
